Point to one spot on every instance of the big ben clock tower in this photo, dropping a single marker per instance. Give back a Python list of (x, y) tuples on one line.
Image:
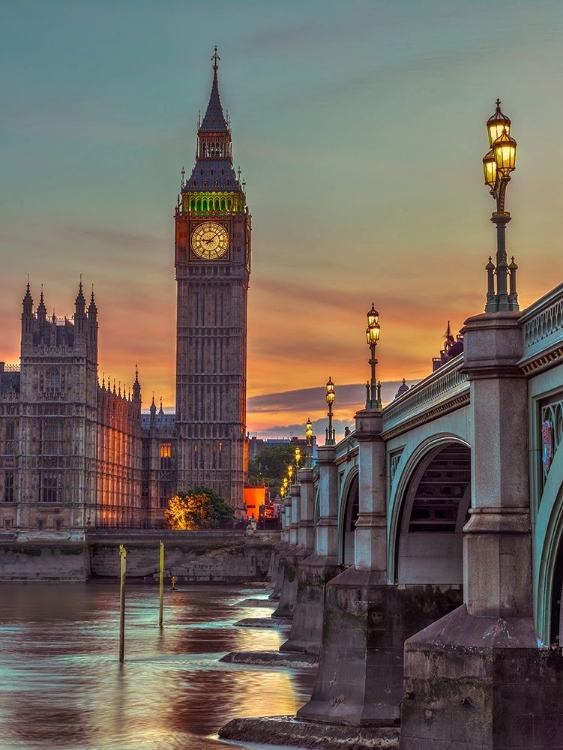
[(213, 228)]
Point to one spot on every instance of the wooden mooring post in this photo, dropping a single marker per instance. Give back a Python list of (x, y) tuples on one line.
[(123, 555), (161, 587)]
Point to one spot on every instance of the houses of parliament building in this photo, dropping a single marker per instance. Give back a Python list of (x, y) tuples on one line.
[(77, 453)]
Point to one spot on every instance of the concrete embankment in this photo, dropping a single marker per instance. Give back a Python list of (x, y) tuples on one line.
[(193, 557)]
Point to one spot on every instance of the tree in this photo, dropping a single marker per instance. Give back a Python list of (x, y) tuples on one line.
[(197, 508), (269, 466)]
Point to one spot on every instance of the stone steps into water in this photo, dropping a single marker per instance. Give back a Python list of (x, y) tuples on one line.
[(286, 730), (272, 659)]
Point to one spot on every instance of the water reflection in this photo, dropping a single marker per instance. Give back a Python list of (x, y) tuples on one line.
[(61, 685)]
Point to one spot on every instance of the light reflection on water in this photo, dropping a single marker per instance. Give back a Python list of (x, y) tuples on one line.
[(61, 685)]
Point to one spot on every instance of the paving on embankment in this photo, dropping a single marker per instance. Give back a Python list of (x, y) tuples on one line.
[(219, 556)]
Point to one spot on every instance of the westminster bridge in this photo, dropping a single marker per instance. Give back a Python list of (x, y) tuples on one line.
[(422, 556)]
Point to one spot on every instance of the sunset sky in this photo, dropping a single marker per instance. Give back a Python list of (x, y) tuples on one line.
[(360, 129)]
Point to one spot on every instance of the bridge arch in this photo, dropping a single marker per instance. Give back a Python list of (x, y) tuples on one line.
[(428, 509), (549, 554), (347, 517)]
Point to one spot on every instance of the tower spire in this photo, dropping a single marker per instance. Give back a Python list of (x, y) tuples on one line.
[(214, 120)]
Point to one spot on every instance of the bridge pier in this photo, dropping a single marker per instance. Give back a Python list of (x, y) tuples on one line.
[(476, 678), (321, 566), (280, 552), (292, 556), (366, 620)]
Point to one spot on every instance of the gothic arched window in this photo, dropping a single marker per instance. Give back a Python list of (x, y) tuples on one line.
[(53, 379)]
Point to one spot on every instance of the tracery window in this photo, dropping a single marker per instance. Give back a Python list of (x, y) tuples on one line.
[(52, 437), (51, 486), (9, 487), (9, 444), (165, 456), (53, 379)]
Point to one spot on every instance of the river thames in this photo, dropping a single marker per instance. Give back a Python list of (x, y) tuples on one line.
[(62, 686)]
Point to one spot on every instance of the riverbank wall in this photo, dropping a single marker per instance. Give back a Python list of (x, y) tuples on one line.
[(221, 556)]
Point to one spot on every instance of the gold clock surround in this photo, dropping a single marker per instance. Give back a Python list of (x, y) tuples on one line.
[(210, 240)]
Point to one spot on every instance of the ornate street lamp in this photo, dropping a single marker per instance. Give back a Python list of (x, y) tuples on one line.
[(373, 398), (498, 163), (290, 472), (330, 396), (309, 439)]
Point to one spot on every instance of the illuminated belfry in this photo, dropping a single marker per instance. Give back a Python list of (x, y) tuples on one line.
[(212, 258)]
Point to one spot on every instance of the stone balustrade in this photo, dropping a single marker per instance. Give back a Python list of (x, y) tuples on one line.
[(445, 389)]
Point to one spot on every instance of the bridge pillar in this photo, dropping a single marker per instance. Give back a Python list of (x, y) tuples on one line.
[(294, 514), (360, 676), (475, 678), (326, 543), (306, 530), (316, 570), (290, 559), (279, 552)]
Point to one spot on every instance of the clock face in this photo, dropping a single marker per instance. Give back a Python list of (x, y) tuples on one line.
[(210, 240)]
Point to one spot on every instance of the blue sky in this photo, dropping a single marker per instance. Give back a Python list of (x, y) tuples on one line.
[(359, 127)]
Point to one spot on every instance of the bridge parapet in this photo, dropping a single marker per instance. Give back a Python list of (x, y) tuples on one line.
[(444, 390), (345, 448), (542, 330)]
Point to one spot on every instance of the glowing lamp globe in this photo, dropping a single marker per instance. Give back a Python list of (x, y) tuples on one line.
[(505, 153)]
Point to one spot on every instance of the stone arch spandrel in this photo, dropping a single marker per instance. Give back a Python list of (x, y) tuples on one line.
[(349, 490), (548, 549), (410, 469)]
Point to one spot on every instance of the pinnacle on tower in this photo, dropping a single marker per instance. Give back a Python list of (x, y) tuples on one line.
[(214, 120), (136, 386), (28, 299), (41, 308), (92, 309)]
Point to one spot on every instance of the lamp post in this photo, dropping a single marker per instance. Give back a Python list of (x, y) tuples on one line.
[(330, 396), (309, 439), (373, 398), (290, 472), (498, 163)]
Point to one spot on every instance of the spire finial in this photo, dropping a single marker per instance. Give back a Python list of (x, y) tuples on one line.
[(498, 105), (215, 59)]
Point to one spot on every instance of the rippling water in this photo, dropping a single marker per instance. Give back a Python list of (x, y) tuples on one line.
[(61, 685)]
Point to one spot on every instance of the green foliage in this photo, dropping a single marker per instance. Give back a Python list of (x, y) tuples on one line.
[(198, 508), (269, 466)]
